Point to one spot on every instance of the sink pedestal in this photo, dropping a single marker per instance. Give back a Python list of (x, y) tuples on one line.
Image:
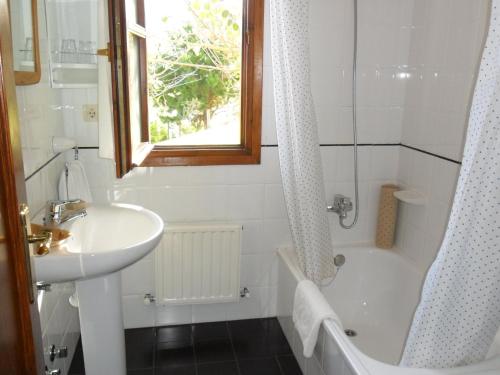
[(101, 322)]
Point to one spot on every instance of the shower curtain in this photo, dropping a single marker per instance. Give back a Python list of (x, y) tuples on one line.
[(459, 311), (298, 143)]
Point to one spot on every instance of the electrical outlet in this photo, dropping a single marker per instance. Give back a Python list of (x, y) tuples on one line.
[(90, 113)]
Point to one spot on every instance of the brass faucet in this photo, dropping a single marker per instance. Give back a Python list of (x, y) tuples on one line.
[(58, 212)]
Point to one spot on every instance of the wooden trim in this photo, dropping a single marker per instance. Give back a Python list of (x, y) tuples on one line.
[(195, 156), (119, 32), (119, 71), (248, 152), (143, 60), (30, 78), (27, 357), (117, 113)]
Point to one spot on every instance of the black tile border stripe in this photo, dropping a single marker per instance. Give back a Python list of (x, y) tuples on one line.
[(384, 145), (54, 158), (275, 146), (43, 166), (346, 144), (431, 154)]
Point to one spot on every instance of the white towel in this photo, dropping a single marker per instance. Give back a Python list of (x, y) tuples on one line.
[(73, 184), (310, 309)]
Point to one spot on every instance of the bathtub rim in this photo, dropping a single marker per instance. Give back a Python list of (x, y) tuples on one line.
[(359, 362)]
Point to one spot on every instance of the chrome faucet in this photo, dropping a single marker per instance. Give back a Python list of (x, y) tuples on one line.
[(341, 205), (58, 212)]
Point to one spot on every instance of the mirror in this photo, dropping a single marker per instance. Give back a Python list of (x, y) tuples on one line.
[(25, 44)]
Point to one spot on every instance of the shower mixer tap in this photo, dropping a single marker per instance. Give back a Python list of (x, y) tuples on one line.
[(341, 205)]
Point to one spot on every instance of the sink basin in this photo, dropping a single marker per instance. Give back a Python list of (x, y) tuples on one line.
[(109, 238)]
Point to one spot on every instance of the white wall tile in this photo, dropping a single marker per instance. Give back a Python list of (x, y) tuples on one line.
[(259, 269), (243, 201), (274, 202), (252, 237), (136, 314), (138, 278)]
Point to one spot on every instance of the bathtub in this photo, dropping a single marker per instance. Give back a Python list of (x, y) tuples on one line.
[(374, 294)]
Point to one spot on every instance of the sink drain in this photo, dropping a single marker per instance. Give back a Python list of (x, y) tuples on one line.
[(350, 333)]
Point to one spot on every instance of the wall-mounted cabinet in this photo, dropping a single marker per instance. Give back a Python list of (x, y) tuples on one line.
[(72, 38)]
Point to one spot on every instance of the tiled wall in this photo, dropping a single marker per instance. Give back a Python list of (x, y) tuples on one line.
[(421, 228), (383, 50), (252, 195), (446, 43), (41, 118)]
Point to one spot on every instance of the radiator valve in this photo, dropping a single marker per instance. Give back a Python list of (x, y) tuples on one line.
[(244, 293)]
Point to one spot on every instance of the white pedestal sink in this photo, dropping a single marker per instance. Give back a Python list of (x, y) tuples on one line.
[(108, 239)]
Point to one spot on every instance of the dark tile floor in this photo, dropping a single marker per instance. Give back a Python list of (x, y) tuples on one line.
[(241, 347)]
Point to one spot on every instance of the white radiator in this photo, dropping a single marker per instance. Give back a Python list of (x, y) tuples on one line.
[(198, 264)]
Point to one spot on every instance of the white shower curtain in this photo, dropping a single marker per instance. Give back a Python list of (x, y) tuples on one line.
[(299, 154), (459, 311)]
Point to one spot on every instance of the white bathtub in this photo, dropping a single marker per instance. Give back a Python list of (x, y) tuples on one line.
[(375, 294)]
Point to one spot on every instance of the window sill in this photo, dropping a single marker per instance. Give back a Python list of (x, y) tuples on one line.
[(163, 157)]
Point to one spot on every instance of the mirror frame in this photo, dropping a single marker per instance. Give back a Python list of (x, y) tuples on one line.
[(23, 78)]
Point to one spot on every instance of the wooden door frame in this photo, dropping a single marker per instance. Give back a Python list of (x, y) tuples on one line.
[(26, 353)]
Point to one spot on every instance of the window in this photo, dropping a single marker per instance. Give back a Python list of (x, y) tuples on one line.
[(187, 81)]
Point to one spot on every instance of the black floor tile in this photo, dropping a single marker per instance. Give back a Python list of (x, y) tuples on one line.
[(258, 338), (289, 365), (175, 333), (77, 367), (210, 331), (272, 326), (245, 328), (258, 347), (174, 354), (245, 347), (221, 368), (148, 371), (260, 366), (214, 351), (176, 370), (140, 348)]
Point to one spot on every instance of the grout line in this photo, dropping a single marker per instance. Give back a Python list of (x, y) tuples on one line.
[(238, 369), (194, 350), (155, 348)]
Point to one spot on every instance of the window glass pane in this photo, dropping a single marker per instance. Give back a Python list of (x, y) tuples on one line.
[(194, 71)]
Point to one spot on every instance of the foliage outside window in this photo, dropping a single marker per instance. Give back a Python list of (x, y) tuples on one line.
[(194, 61)]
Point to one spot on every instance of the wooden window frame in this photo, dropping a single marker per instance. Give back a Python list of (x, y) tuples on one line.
[(247, 152)]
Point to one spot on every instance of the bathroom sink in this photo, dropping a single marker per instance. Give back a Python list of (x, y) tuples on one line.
[(108, 239)]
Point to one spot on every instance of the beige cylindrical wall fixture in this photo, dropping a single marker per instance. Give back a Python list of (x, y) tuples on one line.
[(387, 217)]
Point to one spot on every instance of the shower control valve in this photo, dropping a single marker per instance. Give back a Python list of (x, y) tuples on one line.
[(341, 205)]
